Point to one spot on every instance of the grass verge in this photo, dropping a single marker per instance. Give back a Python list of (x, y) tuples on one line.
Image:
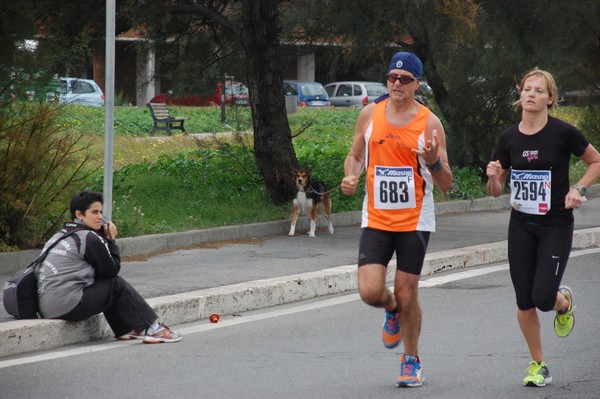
[(166, 184)]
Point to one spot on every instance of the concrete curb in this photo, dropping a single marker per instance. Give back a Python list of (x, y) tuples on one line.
[(23, 336)]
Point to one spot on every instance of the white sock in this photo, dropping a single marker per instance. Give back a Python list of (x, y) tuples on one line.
[(155, 326)]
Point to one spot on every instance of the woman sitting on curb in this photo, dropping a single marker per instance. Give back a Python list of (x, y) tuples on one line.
[(79, 277)]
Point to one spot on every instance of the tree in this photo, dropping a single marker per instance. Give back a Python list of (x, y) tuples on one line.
[(255, 24), (273, 148), (471, 75), (18, 56), (474, 52)]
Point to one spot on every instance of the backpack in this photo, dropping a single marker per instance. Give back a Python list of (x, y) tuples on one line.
[(20, 295)]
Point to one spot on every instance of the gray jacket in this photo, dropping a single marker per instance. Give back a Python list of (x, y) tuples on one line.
[(73, 264)]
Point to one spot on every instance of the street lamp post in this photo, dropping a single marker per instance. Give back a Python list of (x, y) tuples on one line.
[(109, 108)]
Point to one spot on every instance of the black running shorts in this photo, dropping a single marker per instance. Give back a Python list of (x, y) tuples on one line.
[(378, 246)]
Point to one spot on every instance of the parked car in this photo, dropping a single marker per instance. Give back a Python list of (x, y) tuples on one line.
[(80, 91), (309, 94), (236, 93), (424, 93), (354, 94), (588, 96)]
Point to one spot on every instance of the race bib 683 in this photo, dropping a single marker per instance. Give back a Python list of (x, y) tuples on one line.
[(394, 187)]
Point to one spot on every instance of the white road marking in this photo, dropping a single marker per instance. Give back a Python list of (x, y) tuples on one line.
[(81, 349)]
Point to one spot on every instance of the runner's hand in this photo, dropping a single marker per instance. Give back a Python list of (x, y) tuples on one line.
[(493, 169), (430, 152), (574, 200), (349, 184)]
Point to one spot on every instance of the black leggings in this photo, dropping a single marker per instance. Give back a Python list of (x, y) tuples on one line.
[(123, 307), (538, 257)]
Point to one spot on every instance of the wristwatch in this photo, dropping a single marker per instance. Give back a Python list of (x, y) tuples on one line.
[(436, 166), (579, 187)]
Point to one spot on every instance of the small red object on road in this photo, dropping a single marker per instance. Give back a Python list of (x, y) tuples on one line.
[(214, 318)]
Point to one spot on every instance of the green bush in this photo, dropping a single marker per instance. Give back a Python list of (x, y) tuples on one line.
[(467, 184), (590, 125), (325, 157), (191, 189), (42, 165)]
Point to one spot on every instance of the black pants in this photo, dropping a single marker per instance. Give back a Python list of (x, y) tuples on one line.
[(538, 256), (123, 307)]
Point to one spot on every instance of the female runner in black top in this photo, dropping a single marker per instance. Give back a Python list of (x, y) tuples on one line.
[(534, 154)]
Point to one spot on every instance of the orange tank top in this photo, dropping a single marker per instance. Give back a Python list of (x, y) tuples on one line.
[(399, 186)]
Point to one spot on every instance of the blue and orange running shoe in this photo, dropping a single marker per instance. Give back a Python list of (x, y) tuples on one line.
[(390, 333), (411, 372)]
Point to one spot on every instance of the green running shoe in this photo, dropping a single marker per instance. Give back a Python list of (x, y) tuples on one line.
[(538, 375), (564, 322)]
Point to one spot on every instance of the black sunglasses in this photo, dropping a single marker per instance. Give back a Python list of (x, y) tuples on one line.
[(404, 79)]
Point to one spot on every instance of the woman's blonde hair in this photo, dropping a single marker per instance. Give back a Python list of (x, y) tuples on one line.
[(550, 85)]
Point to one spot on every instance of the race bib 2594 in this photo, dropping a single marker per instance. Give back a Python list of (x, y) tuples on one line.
[(530, 191)]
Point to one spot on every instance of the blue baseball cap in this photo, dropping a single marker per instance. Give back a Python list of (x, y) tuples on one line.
[(408, 62)]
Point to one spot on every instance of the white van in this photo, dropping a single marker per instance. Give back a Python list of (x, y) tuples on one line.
[(354, 94), (80, 91)]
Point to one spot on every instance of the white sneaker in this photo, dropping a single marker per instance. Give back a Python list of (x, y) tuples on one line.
[(160, 335)]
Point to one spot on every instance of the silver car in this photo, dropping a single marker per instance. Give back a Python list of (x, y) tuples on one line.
[(354, 94), (80, 91)]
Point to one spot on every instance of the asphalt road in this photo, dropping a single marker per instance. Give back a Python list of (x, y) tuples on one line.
[(330, 347)]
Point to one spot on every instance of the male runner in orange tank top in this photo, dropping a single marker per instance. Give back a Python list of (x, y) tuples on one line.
[(402, 146)]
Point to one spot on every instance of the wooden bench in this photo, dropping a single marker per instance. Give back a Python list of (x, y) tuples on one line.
[(163, 120)]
